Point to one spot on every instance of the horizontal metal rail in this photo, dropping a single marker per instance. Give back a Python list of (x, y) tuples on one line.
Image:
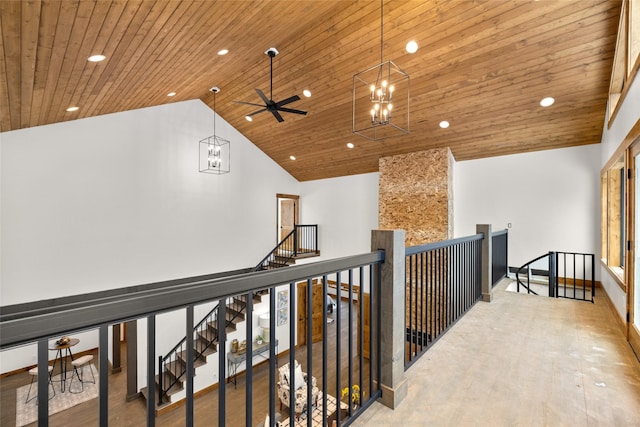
[(443, 244), (32, 321)]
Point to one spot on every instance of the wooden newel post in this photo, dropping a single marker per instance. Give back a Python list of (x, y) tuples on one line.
[(391, 309), (487, 261)]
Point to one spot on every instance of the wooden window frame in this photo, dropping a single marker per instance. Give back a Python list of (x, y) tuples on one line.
[(613, 225), (626, 61)]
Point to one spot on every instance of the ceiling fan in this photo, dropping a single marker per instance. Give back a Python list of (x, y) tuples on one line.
[(269, 104)]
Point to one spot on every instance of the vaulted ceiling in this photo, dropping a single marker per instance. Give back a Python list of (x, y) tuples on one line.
[(482, 65)]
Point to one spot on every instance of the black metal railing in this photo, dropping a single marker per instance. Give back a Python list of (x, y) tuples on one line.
[(499, 264), (443, 282), (338, 362), (565, 275), (574, 276), (540, 272), (303, 239)]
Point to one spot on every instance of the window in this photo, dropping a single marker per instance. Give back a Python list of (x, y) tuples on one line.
[(613, 218), (627, 57)]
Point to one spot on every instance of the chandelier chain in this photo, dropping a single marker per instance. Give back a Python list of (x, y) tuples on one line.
[(381, 30)]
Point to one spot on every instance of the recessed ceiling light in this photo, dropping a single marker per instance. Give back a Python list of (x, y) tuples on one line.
[(444, 124), (223, 52), (292, 157), (249, 118), (412, 47), (306, 93), (350, 144), (73, 109), (171, 94), (96, 58), (547, 102)]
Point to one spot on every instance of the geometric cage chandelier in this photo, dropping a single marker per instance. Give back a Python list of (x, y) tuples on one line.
[(381, 98), (214, 152)]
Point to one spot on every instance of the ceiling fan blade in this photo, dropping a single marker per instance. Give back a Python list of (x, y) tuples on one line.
[(264, 98), (256, 112), (290, 110), (277, 116), (248, 103), (287, 101)]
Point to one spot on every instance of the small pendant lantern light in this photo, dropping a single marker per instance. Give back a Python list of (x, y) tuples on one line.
[(214, 151)]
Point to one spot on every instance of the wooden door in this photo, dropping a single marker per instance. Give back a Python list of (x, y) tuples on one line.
[(317, 324), (288, 214), (287, 210), (366, 324), (316, 312), (302, 313)]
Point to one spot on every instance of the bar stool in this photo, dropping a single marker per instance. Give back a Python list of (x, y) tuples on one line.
[(81, 362), (34, 373)]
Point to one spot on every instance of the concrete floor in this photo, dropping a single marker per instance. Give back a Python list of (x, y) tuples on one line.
[(523, 360)]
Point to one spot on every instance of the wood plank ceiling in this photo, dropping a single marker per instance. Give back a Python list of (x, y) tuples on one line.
[(482, 65)]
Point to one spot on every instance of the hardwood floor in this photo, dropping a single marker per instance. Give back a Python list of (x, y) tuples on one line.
[(523, 360), (519, 360), (133, 413)]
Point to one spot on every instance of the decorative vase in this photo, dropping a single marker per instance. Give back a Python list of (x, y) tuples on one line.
[(234, 346)]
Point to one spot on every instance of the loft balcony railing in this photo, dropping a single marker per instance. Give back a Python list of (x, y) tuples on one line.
[(443, 283), (444, 280), (42, 321), (366, 350)]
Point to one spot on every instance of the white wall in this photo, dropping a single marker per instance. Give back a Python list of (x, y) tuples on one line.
[(117, 200), (346, 209), (551, 198), (626, 118)]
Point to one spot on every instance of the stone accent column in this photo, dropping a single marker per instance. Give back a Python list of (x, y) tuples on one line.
[(416, 195), (391, 308), (487, 289)]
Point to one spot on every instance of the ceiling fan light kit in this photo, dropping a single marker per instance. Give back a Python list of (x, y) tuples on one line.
[(270, 105), (214, 151), (381, 99)]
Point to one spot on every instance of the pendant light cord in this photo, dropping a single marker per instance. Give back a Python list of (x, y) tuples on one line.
[(214, 113), (381, 27)]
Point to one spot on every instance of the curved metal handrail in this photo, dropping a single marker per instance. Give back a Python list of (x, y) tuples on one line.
[(527, 286)]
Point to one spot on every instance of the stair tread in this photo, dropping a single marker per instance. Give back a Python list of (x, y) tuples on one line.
[(196, 363), (234, 316), (231, 327), (208, 334)]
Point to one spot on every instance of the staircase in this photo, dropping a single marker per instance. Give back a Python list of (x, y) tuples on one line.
[(205, 341), (300, 243), (563, 274)]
